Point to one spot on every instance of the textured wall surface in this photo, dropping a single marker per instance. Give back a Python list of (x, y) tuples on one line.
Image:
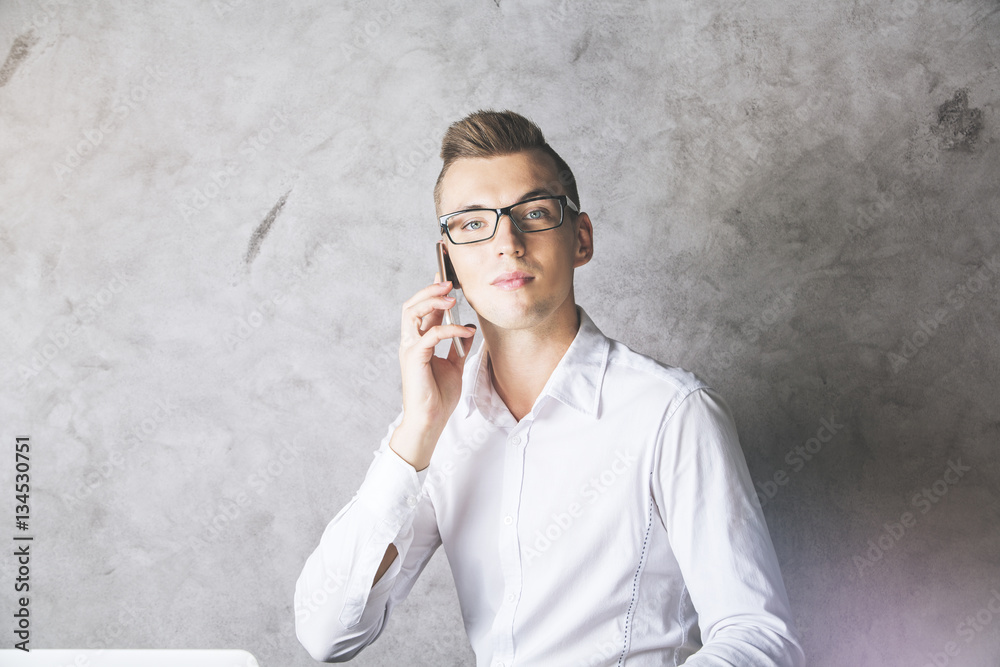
[(211, 213)]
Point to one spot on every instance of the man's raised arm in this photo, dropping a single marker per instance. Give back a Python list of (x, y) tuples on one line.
[(348, 586), (371, 553)]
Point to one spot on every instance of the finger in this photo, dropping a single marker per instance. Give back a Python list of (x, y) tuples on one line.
[(427, 342), (413, 323), (434, 289), (417, 313), (466, 344), (431, 319)]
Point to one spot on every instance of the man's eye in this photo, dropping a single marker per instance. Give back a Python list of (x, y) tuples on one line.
[(537, 214), (473, 225)]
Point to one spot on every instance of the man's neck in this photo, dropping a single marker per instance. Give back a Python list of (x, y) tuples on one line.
[(521, 361)]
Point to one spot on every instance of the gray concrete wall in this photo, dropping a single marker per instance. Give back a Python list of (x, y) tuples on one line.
[(796, 200)]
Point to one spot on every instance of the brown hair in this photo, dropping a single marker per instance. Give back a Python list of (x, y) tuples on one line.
[(495, 133)]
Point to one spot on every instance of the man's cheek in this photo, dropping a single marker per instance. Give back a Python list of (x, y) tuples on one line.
[(470, 298)]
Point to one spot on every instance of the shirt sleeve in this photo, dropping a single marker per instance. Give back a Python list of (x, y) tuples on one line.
[(720, 539), (337, 610)]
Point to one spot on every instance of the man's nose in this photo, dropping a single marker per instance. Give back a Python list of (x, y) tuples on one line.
[(509, 238)]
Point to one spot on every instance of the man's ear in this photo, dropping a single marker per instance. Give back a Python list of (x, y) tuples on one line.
[(583, 239)]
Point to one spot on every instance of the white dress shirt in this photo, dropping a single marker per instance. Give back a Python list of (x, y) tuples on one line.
[(615, 524)]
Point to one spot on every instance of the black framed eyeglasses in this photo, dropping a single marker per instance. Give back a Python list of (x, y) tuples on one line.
[(537, 214)]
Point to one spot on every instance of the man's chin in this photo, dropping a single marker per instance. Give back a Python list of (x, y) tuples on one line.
[(512, 318)]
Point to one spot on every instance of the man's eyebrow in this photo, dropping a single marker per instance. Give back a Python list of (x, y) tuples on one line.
[(537, 192)]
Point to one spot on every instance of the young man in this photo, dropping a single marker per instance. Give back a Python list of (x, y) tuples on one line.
[(594, 504)]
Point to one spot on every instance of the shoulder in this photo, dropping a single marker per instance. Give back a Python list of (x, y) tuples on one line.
[(646, 376)]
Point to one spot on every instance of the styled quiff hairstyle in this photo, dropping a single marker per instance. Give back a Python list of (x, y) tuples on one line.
[(495, 133)]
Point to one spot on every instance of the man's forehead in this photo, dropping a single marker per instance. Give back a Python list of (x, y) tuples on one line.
[(498, 181)]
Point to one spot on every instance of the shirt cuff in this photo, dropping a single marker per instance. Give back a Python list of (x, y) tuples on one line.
[(392, 487), (389, 495)]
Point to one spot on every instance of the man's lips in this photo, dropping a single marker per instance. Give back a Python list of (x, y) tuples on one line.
[(512, 280)]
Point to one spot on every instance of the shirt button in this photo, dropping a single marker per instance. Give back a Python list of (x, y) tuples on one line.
[(516, 440), (511, 597), (411, 501), (508, 519)]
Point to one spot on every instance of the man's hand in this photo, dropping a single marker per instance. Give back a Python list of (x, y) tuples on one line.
[(431, 384)]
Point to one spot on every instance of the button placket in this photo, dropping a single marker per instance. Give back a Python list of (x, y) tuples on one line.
[(510, 552)]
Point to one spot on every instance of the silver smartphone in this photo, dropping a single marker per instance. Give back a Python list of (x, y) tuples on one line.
[(447, 272)]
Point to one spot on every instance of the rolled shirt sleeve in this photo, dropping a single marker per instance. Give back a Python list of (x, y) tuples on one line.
[(337, 610), (720, 539)]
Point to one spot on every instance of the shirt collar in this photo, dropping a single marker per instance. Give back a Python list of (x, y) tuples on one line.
[(575, 381)]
